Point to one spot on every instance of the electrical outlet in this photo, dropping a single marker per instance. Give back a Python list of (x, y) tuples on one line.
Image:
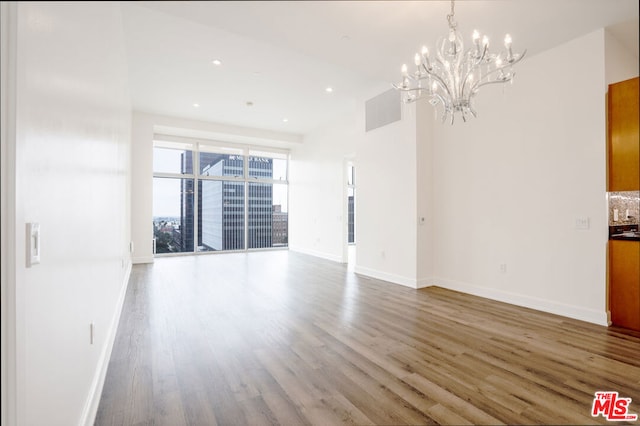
[(503, 268)]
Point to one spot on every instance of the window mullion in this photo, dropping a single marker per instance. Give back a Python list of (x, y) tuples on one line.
[(196, 196), (246, 198), (173, 175)]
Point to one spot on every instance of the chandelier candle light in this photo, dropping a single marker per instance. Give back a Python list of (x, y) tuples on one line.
[(454, 76)]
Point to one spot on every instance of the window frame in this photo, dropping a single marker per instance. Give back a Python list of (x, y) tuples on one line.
[(198, 146)]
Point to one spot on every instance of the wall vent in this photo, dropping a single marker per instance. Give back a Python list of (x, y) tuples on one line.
[(382, 109)]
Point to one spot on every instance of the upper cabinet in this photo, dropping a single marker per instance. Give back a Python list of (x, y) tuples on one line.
[(622, 133)]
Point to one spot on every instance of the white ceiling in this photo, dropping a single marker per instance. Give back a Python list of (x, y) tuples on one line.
[(281, 55)]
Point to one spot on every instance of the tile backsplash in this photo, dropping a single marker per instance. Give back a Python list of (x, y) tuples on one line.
[(623, 201)]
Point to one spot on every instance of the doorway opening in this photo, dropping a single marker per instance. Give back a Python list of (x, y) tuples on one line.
[(351, 215)]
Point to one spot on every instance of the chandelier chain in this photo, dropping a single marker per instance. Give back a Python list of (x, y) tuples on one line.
[(450, 17)]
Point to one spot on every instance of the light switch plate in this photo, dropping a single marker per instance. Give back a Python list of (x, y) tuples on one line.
[(33, 244), (582, 223)]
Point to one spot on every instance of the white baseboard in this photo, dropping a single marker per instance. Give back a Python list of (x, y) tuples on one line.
[(385, 276), (142, 259), (425, 282), (93, 399), (544, 305), (323, 255)]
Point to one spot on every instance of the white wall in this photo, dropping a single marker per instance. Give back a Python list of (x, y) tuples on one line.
[(142, 188), (425, 199), (620, 65), (7, 233), (510, 185), (394, 172), (317, 191), (386, 213), (72, 166)]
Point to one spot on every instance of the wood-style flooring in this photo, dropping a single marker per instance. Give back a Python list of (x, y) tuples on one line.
[(279, 337)]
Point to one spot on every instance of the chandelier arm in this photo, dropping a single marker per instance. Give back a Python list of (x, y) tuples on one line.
[(407, 99), (443, 85), (439, 79), (407, 89), (416, 77), (486, 83), (507, 64), (466, 79), (518, 59), (485, 50), (402, 89), (441, 99), (486, 79), (453, 116)]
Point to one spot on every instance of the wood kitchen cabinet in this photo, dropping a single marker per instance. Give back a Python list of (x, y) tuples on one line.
[(623, 141), (624, 283)]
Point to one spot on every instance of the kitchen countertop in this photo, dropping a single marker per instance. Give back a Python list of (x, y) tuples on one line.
[(624, 232)]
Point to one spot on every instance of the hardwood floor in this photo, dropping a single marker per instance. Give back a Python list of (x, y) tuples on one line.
[(284, 338)]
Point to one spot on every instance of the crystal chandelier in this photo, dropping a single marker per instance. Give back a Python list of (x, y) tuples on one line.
[(454, 76)]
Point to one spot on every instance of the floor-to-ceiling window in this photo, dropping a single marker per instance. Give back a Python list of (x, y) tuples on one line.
[(218, 197)]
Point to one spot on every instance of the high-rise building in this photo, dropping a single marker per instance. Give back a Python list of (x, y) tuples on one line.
[(221, 206), (260, 207), (280, 231)]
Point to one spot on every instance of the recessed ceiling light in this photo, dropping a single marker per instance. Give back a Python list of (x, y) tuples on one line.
[(216, 62), (345, 37), (249, 103), (284, 120), (329, 90), (196, 105)]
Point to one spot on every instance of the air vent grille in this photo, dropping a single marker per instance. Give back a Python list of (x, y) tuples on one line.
[(382, 109)]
